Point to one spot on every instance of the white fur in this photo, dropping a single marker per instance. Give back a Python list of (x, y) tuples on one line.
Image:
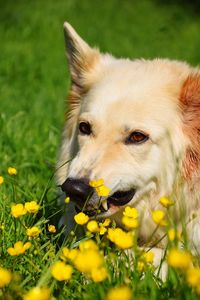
[(124, 96)]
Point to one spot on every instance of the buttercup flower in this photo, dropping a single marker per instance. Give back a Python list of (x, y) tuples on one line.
[(1, 180), (69, 254), (88, 245), (130, 212), (27, 245), (140, 266), (32, 207), (193, 278), (179, 258), (101, 189), (102, 226), (129, 218), (174, 234), (67, 200), (33, 231), (99, 274), (92, 226), (12, 171), (5, 277), (81, 218), (159, 217), (130, 222), (18, 210), (64, 253), (106, 222), (102, 230), (88, 260), (38, 293), (18, 248), (166, 202), (96, 183), (60, 271), (119, 293), (122, 239), (145, 259), (148, 257), (52, 228)]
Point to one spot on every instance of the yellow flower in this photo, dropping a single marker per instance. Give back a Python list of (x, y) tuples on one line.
[(171, 233), (129, 218), (92, 226), (88, 245), (103, 191), (81, 218), (102, 226), (60, 271), (33, 231), (159, 217), (166, 202), (27, 245), (140, 266), (122, 239), (148, 257), (193, 277), (38, 293), (88, 260), (174, 234), (145, 259), (51, 228), (102, 230), (69, 254), (130, 222), (5, 277), (179, 258), (106, 222), (64, 253), (18, 248), (99, 274), (72, 254), (67, 200), (12, 171), (96, 183), (119, 293), (1, 180), (32, 207), (130, 212), (18, 210)]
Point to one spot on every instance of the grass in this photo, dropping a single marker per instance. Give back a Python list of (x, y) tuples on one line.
[(34, 80)]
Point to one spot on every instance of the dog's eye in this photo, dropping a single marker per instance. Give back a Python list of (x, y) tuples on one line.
[(85, 128), (137, 137)]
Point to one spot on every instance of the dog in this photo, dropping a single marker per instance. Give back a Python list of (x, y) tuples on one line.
[(136, 124)]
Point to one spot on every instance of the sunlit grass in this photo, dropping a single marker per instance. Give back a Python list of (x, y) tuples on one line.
[(41, 261), (34, 81)]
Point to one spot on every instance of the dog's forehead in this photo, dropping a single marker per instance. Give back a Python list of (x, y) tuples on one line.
[(139, 96)]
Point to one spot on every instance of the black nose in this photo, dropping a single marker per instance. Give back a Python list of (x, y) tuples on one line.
[(77, 189)]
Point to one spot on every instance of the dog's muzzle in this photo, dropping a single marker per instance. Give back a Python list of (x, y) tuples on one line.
[(78, 189), (84, 195)]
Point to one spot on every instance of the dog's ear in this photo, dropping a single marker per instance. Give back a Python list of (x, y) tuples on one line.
[(81, 57), (190, 107)]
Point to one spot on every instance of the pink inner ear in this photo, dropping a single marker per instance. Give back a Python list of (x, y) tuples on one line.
[(190, 106)]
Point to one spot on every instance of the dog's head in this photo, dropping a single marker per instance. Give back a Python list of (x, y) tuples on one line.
[(128, 123)]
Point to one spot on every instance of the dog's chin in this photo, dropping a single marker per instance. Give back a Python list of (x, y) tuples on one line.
[(110, 205)]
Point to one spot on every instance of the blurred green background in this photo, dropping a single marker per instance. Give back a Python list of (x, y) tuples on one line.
[(33, 71)]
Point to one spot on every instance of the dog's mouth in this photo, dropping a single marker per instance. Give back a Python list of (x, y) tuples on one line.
[(119, 198)]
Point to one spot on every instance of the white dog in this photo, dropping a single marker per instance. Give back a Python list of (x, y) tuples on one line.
[(136, 124)]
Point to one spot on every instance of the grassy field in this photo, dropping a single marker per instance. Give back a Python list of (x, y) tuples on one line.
[(34, 79)]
